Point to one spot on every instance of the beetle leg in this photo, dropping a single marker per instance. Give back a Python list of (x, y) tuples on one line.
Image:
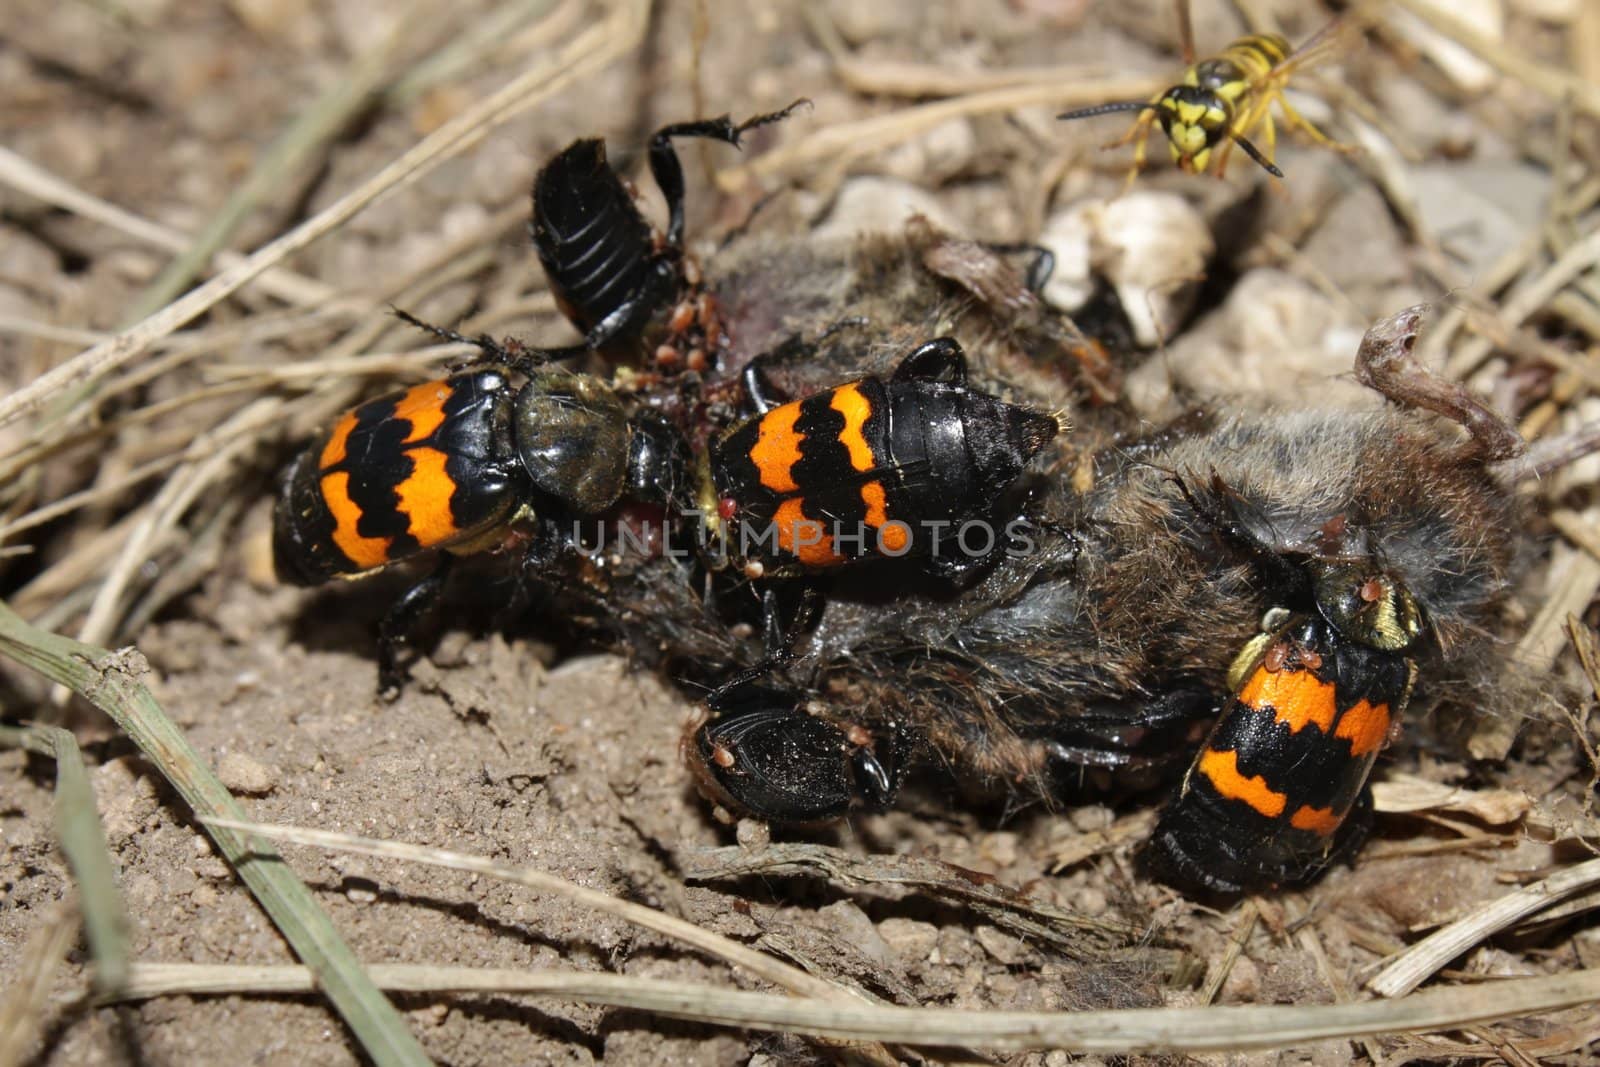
[(1150, 736), (508, 353), (941, 359), (402, 622), (778, 640), (668, 172)]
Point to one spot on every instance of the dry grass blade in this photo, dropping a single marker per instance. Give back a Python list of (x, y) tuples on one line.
[(1241, 934), (310, 130), (1439, 948), (110, 682), (22, 1007), (999, 903), (28, 177), (1575, 261), (211, 456), (1191, 1030), (482, 36), (762, 966), (83, 840), (613, 36), (1549, 81)]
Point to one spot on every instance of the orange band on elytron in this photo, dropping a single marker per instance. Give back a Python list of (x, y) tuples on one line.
[(334, 451), (896, 536), (1318, 820), (849, 401), (777, 448), (364, 552), (1221, 768), (1297, 698), (804, 538), (1365, 726), (423, 408), (425, 498)]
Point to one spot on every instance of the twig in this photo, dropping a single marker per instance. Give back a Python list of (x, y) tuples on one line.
[(1439, 948)]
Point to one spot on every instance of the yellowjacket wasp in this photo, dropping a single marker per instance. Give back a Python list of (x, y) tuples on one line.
[(1224, 99)]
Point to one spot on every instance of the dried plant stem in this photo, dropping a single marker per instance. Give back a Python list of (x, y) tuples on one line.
[(1578, 258), (1241, 935), (28, 177), (1439, 948), (212, 455), (843, 141), (1542, 78), (49, 331), (1190, 1030), (481, 36), (27, 982), (608, 38), (758, 964)]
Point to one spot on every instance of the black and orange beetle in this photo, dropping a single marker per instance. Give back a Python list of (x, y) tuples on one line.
[(609, 269), (1279, 791), (1331, 557), (896, 467), (901, 467), (463, 464)]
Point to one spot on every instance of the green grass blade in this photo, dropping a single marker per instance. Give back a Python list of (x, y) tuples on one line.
[(109, 681)]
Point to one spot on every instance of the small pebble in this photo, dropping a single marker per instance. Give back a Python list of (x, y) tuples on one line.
[(241, 774)]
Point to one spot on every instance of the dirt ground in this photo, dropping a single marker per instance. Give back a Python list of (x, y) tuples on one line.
[(514, 745)]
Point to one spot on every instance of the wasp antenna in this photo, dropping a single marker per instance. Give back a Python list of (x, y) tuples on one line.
[(1255, 154), (1106, 109)]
